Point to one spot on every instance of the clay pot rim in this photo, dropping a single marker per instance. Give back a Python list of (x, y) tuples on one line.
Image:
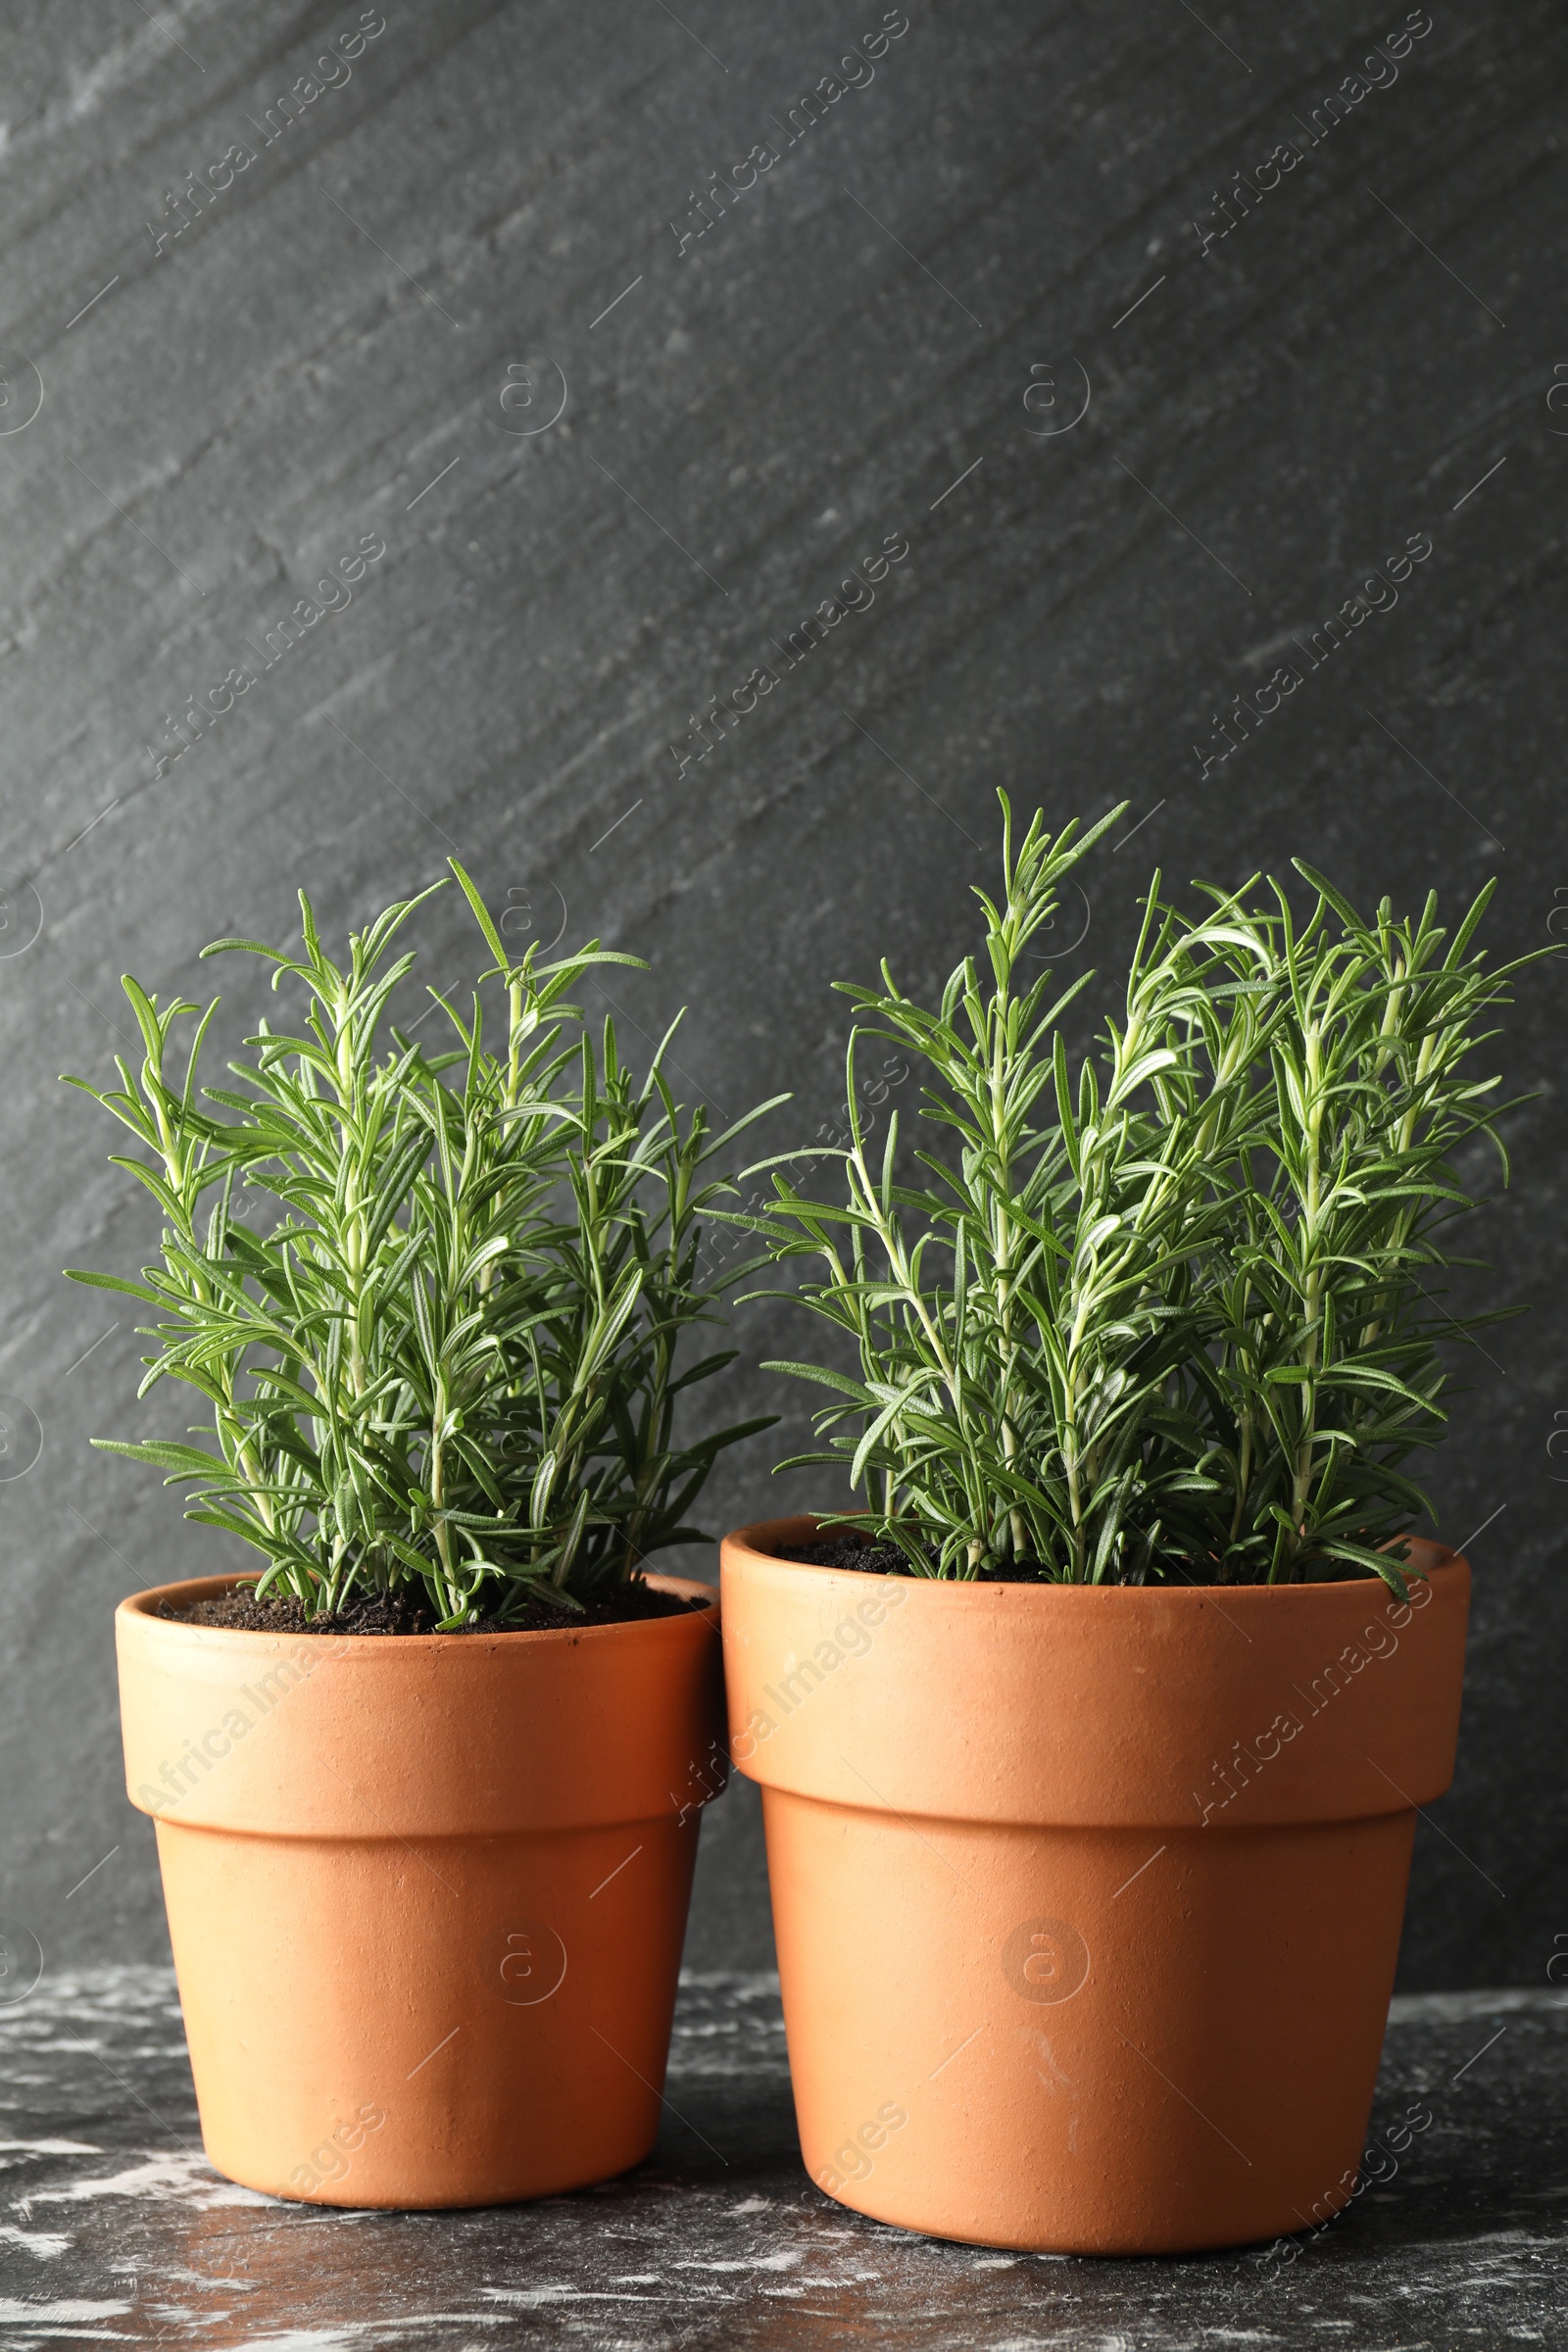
[(143, 1608), (744, 1545)]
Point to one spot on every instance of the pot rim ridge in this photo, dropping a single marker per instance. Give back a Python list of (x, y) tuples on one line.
[(740, 1544), (141, 1608)]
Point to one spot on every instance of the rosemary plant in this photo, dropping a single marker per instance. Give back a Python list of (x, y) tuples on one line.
[(1316, 1368), (1168, 1315), (448, 1364)]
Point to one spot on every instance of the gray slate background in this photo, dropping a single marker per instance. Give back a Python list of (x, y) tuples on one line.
[(914, 296)]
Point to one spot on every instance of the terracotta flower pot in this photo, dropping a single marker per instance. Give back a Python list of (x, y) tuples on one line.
[(1087, 1899), (426, 1894)]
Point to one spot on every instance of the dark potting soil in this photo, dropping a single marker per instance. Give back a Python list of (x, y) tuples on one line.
[(849, 1551), (408, 1614), (868, 1558), (886, 1559)]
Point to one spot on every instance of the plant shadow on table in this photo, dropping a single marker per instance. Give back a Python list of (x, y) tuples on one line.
[(1481, 2172), (729, 2135), (1482, 2160)]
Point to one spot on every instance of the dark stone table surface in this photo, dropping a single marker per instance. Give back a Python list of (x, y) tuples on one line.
[(113, 2230)]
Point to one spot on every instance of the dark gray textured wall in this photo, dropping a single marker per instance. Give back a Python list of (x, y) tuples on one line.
[(892, 334)]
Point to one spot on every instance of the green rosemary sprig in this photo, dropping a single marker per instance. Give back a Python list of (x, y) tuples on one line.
[(449, 1361), (1168, 1313)]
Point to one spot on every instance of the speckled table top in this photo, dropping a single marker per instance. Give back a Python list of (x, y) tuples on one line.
[(113, 2230)]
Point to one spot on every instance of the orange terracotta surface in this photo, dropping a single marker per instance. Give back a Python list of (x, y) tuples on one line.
[(427, 1893), (1087, 1899)]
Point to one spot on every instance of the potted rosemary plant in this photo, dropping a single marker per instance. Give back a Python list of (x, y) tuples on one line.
[(1090, 1741), (424, 1778)]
